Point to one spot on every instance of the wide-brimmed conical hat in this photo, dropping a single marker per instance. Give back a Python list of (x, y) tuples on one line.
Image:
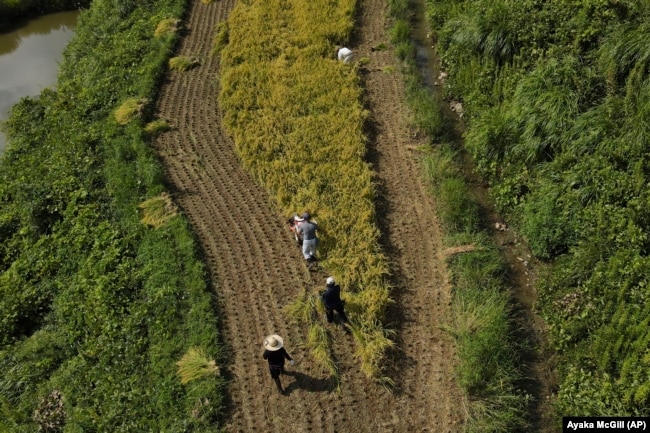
[(273, 342)]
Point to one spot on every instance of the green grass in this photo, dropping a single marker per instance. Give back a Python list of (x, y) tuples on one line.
[(554, 115), (481, 325), (94, 302)]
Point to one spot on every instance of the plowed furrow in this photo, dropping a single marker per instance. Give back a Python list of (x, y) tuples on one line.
[(429, 396), (257, 270)]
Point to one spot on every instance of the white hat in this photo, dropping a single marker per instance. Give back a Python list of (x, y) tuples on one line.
[(297, 218), (330, 280), (273, 342)]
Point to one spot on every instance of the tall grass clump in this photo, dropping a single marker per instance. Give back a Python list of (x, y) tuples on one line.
[(296, 117), (98, 307), (480, 320), (564, 148)]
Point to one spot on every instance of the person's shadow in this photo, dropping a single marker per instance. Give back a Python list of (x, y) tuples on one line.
[(308, 383)]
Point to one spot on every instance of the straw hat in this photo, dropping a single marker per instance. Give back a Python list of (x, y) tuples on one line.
[(273, 342)]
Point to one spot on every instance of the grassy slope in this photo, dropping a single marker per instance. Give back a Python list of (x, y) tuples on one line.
[(562, 138), (94, 304)]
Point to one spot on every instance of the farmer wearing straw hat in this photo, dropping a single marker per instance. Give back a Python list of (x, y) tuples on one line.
[(275, 354)]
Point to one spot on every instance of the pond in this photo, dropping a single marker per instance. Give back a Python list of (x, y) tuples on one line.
[(30, 56)]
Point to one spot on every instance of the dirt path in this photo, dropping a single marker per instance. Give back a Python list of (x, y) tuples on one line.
[(257, 269)]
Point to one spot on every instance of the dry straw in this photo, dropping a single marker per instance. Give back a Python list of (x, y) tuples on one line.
[(158, 210), (157, 126), (183, 63), (166, 27), (195, 364)]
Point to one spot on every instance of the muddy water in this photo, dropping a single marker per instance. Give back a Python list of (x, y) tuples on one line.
[(30, 56), (425, 52)]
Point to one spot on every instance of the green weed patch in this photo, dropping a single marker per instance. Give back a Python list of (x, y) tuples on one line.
[(562, 139), (97, 307)]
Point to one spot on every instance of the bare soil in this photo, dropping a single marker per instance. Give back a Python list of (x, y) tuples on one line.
[(256, 268)]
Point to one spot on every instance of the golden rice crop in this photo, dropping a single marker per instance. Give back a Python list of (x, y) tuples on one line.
[(318, 341), (297, 120)]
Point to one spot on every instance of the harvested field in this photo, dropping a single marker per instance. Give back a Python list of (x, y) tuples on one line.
[(256, 268)]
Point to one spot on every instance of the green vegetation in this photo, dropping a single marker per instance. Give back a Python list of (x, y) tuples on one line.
[(481, 322), (296, 117), (97, 307), (556, 96)]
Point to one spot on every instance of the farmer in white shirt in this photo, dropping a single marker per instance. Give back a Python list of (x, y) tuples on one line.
[(345, 55)]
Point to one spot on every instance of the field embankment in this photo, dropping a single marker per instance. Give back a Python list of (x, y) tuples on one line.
[(556, 123), (97, 306)]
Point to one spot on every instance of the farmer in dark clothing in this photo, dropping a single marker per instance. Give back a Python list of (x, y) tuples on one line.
[(275, 353), (332, 300)]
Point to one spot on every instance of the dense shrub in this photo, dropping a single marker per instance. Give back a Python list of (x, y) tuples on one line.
[(564, 146)]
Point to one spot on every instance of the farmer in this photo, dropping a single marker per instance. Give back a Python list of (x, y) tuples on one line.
[(332, 300), (307, 230), (344, 55), (293, 222), (275, 354)]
